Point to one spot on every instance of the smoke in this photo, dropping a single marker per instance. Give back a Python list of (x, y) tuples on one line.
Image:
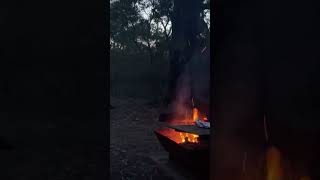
[(184, 94), (193, 83), (199, 67)]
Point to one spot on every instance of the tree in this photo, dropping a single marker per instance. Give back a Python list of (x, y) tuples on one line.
[(185, 40), (145, 26), (123, 32)]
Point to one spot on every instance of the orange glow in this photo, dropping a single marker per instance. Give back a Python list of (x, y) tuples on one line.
[(180, 137), (195, 114), (190, 115), (185, 121), (189, 119), (273, 166), (187, 137)]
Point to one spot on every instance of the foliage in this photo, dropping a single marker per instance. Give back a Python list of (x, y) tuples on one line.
[(144, 26)]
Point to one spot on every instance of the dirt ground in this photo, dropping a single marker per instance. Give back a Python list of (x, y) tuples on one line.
[(133, 142)]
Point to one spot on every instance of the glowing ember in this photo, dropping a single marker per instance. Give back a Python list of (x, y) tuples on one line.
[(180, 137), (187, 137), (190, 117)]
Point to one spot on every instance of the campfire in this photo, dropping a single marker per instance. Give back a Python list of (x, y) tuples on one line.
[(187, 129), (191, 116), (187, 139), (179, 137)]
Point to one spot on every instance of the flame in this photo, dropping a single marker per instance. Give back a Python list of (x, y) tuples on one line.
[(187, 116), (195, 114), (273, 160), (190, 118), (187, 137), (180, 137)]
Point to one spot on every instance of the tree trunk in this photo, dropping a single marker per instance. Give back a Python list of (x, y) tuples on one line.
[(183, 44)]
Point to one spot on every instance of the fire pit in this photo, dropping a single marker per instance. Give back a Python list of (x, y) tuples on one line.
[(186, 143)]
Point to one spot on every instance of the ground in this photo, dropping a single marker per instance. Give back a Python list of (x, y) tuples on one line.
[(133, 142)]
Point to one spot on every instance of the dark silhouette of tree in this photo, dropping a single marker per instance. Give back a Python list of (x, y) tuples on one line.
[(145, 26)]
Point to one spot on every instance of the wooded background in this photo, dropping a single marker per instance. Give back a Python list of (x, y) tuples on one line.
[(142, 40)]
